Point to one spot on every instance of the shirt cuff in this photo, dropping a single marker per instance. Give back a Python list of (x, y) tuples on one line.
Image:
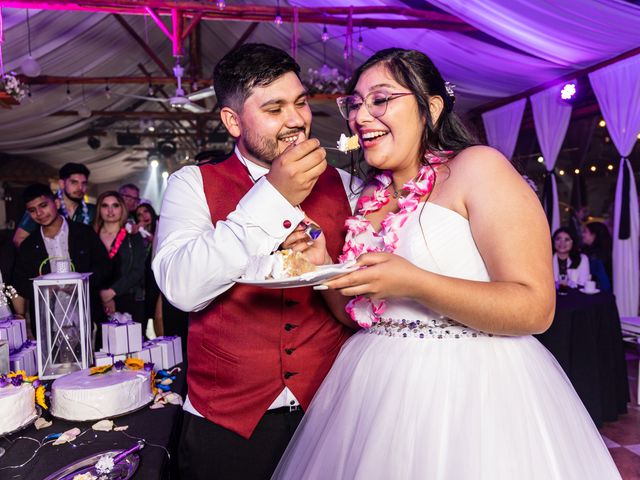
[(269, 210)]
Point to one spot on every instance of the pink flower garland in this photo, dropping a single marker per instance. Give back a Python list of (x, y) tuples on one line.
[(362, 309), (118, 242)]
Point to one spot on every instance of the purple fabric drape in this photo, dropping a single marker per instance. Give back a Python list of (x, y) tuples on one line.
[(551, 117), (617, 88), (502, 126)]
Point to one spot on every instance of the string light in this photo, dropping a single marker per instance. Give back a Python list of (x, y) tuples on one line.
[(561, 172), (577, 171), (325, 34), (540, 159), (360, 44), (68, 92), (602, 123), (107, 91), (221, 4), (278, 19), (593, 168), (609, 167)]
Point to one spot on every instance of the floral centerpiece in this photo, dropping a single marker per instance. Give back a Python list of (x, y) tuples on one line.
[(326, 80), (10, 84)]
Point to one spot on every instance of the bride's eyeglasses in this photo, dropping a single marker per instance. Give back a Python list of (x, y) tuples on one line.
[(375, 103)]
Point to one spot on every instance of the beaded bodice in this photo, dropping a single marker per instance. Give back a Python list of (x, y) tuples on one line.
[(438, 240)]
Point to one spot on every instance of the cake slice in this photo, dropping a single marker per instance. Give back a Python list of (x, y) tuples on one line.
[(347, 144), (278, 265)]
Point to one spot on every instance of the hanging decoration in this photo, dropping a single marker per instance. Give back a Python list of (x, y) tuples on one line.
[(295, 36), (30, 66), (278, 19), (348, 44)]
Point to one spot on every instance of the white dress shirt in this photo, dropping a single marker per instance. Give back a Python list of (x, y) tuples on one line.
[(196, 261), (58, 246)]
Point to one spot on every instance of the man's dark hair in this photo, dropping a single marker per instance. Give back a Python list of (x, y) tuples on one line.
[(248, 66), (69, 169), (132, 186), (36, 190)]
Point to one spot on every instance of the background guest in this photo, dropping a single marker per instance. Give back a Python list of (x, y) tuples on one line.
[(127, 252), (72, 187), (147, 220), (567, 256), (597, 244)]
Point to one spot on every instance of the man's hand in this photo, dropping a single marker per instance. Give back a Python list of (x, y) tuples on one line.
[(315, 251), (296, 170)]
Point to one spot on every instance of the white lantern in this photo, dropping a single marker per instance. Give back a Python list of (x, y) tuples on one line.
[(63, 323)]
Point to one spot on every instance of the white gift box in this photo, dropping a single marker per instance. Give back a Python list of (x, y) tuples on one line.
[(119, 338), (152, 352), (176, 346), (25, 359), (14, 331), (4, 357), (104, 358)]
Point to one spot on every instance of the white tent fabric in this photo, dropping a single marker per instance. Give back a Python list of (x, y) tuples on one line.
[(502, 126), (520, 44), (551, 117), (617, 88)]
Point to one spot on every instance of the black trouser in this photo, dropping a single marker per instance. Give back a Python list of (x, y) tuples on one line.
[(210, 452)]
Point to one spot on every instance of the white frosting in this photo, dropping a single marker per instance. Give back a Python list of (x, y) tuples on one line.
[(80, 396), (17, 407), (266, 266)]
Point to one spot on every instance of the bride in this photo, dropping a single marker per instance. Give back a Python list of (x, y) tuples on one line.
[(443, 380)]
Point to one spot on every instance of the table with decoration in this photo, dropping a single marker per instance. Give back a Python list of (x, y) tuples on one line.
[(586, 340), (159, 428)]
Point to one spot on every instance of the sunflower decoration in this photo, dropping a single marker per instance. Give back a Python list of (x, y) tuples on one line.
[(154, 388), (100, 369), (134, 363), (41, 399)]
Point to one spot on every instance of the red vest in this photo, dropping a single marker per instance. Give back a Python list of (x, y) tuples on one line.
[(251, 342)]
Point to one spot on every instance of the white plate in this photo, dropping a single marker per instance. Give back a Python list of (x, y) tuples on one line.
[(323, 273), (589, 292)]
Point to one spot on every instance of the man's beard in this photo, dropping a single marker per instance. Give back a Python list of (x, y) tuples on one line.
[(72, 198), (266, 149)]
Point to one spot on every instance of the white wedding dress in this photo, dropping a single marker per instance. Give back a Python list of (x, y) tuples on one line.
[(419, 396)]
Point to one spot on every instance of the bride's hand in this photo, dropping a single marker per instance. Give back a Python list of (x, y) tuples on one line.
[(314, 251), (383, 275)]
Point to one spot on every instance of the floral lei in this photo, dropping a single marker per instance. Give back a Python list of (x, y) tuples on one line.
[(118, 242), (362, 309), (65, 213)]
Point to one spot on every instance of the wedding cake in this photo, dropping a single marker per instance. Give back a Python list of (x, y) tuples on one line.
[(83, 396), (281, 264), (17, 406)]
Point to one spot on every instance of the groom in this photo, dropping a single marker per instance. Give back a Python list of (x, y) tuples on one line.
[(256, 356)]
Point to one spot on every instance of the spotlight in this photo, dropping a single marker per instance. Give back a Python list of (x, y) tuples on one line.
[(167, 148), (561, 172), (165, 175), (577, 171), (540, 159), (154, 163), (93, 142), (602, 123), (568, 91), (153, 159)]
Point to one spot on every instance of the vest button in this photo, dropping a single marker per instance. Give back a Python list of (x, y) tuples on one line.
[(288, 375), (289, 351), (290, 303), (289, 326), (286, 224)]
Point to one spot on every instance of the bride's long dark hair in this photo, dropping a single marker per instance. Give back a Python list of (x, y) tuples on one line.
[(415, 71)]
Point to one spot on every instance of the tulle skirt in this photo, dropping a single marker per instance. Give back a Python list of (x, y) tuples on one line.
[(485, 407)]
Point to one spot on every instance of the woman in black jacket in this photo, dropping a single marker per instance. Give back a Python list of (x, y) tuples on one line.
[(127, 254)]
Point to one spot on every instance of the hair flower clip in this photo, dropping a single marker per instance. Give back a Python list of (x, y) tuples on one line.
[(449, 87)]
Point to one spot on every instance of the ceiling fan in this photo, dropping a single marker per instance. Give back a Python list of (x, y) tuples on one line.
[(179, 99)]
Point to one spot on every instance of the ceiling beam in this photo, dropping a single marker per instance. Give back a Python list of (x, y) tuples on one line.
[(565, 78), (51, 79), (409, 17), (173, 115)]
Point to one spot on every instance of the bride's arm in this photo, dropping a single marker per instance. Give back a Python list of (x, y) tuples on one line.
[(512, 236)]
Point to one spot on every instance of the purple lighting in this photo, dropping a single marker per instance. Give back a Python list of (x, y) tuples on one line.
[(568, 91)]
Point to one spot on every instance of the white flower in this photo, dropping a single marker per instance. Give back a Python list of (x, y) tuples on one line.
[(9, 83)]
